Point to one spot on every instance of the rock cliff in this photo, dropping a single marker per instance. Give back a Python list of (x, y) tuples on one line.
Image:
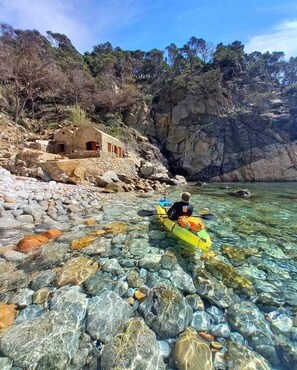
[(226, 139)]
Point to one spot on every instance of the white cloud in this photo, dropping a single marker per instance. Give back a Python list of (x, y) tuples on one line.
[(43, 15), (282, 38), (85, 22)]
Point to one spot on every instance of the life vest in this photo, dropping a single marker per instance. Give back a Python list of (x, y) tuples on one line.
[(191, 223)]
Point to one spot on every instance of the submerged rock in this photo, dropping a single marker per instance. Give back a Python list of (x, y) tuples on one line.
[(48, 256), (228, 275), (76, 271), (47, 342), (182, 281), (168, 260), (166, 311), (30, 243), (241, 193), (237, 255), (213, 290), (72, 301), (191, 352), (201, 321), (5, 363), (7, 315), (11, 278), (103, 282), (135, 347), (287, 352), (106, 314), (246, 318), (240, 357)]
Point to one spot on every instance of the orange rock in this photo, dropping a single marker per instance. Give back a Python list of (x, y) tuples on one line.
[(206, 336), (30, 243), (90, 222), (139, 295), (52, 234), (83, 242), (7, 315), (9, 200), (216, 346)]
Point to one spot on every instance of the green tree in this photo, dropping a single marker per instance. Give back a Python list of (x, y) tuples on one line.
[(290, 72)]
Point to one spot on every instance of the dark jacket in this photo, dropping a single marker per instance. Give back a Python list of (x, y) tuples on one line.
[(180, 209)]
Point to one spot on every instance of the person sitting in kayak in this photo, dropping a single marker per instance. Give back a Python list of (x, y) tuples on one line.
[(181, 208), (182, 211)]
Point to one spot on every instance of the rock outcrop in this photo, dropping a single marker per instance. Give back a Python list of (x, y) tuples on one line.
[(207, 139)]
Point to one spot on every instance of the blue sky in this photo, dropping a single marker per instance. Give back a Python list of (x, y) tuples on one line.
[(146, 24)]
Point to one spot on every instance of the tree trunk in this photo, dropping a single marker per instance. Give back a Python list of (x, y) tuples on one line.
[(18, 113), (17, 101)]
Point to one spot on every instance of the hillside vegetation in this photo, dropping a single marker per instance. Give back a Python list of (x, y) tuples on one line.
[(46, 80)]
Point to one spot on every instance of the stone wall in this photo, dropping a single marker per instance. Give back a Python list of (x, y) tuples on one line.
[(84, 154), (81, 170)]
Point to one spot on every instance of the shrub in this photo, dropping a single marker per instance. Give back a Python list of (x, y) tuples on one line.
[(78, 116)]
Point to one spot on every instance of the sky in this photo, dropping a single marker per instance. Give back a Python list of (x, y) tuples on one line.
[(261, 25)]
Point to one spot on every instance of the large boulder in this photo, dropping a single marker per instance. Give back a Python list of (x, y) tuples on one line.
[(213, 290), (166, 311), (135, 347), (102, 326), (109, 177), (191, 352), (47, 342)]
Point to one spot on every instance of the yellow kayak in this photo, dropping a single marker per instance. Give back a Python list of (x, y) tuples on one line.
[(201, 239)]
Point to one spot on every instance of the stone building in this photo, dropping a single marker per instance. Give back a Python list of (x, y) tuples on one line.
[(85, 141)]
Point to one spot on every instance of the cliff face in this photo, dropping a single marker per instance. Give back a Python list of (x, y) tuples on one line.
[(221, 139)]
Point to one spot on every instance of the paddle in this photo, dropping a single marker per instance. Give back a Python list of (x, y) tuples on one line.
[(147, 213)]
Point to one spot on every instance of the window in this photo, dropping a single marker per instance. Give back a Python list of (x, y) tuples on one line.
[(91, 145), (109, 147)]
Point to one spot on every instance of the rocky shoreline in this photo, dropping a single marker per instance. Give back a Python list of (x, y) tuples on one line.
[(86, 283)]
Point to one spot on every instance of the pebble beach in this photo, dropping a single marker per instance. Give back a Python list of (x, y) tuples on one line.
[(86, 283)]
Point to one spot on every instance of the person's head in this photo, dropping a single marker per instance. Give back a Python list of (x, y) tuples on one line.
[(185, 197)]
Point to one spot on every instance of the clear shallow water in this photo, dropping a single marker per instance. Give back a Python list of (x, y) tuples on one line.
[(269, 216), (254, 253), (266, 224)]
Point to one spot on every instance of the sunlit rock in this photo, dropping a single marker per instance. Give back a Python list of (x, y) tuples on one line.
[(52, 234), (228, 275), (76, 271), (191, 352)]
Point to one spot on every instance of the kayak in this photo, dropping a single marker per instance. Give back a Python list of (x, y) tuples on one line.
[(201, 239)]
